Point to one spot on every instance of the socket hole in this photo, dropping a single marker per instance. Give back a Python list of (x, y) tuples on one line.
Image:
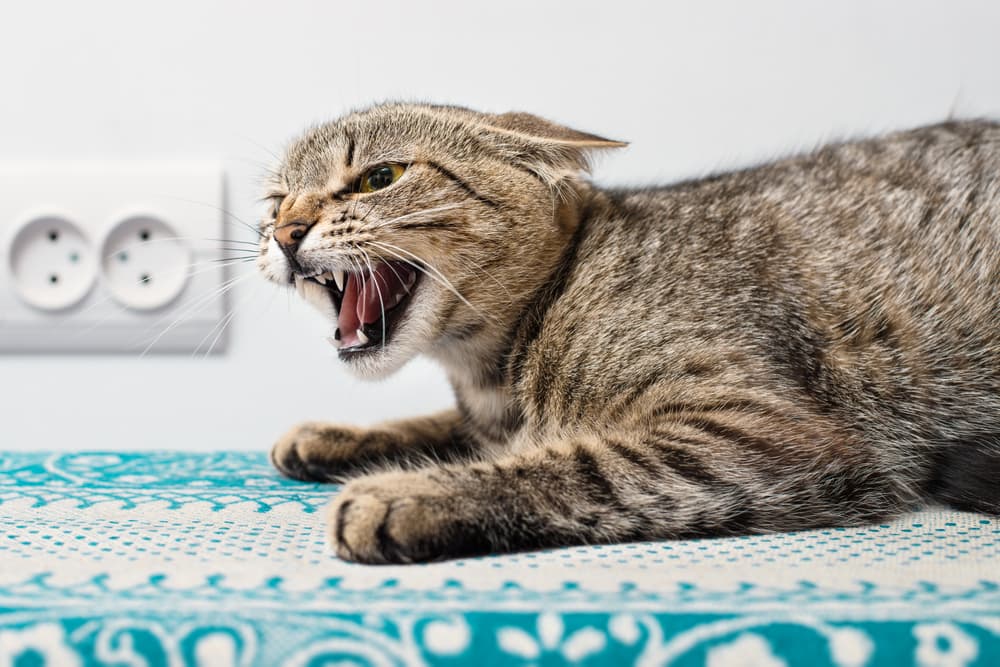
[(54, 235), (144, 235), (123, 256), (74, 257), (53, 279), (145, 279)]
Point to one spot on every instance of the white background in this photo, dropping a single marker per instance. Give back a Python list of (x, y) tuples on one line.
[(694, 86)]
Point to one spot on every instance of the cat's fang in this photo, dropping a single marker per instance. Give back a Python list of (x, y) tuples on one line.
[(338, 277), (362, 338)]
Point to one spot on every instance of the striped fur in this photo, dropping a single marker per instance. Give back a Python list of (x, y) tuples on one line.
[(808, 343)]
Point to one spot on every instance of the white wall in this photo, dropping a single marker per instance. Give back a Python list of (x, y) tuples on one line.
[(694, 86)]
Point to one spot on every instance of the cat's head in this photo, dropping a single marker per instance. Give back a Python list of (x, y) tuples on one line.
[(418, 227)]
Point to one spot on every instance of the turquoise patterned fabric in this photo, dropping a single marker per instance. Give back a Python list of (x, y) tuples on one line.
[(212, 559)]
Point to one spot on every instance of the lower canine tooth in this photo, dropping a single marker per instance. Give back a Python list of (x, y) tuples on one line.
[(362, 338)]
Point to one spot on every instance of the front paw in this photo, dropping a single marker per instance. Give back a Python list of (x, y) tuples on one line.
[(405, 518), (314, 452)]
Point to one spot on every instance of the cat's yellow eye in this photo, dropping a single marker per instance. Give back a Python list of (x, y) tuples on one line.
[(381, 177)]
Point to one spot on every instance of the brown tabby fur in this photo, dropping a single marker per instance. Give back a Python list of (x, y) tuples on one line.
[(808, 343)]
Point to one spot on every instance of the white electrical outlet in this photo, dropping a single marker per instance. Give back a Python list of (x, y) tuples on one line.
[(51, 262), (111, 257), (145, 263)]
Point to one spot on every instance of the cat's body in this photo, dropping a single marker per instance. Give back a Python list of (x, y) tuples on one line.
[(809, 343)]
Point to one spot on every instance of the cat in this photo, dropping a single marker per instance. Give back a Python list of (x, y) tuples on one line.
[(808, 343)]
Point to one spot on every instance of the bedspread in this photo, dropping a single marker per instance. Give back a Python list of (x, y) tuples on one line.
[(213, 559)]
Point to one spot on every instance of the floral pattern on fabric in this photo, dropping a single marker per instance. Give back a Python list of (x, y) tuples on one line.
[(213, 559)]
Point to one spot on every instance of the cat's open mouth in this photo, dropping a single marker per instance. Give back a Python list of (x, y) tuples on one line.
[(369, 303)]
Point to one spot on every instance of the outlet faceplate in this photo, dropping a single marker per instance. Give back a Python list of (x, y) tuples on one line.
[(111, 257)]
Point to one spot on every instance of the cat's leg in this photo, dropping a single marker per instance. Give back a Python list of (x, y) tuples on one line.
[(333, 452), (666, 483)]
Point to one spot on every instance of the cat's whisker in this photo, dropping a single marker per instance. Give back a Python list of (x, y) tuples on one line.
[(398, 277), (235, 253), (225, 212), (480, 269), (228, 321), (222, 325), (208, 335), (428, 211), (378, 290), (423, 267), (257, 144), (371, 208), (216, 264), (255, 244), (111, 298), (359, 271), (198, 303), (250, 246)]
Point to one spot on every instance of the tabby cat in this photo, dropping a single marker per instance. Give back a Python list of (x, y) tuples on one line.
[(812, 342)]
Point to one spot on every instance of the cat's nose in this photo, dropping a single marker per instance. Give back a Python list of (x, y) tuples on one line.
[(290, 234)]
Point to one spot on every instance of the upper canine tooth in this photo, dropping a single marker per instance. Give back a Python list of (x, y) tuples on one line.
[(338, 277)]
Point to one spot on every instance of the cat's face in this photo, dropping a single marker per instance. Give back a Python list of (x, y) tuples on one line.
[(416, 228)]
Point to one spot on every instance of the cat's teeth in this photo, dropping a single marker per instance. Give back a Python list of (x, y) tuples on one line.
[(300, 286), (320, 278), (333, 341), (362, 338), (338, 277)]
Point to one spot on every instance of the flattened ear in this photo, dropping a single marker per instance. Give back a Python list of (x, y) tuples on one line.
[(550, 150)]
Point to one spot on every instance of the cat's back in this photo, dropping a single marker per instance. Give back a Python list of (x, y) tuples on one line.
[(925, 183), (863, 269), (912, 215)]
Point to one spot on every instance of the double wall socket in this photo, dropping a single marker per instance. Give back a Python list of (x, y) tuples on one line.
[(111, 257)]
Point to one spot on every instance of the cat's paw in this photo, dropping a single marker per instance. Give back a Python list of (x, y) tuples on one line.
[(403, 518), (314, 452)]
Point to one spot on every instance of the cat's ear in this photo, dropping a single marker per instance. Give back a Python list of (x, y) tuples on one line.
[(547, 149)]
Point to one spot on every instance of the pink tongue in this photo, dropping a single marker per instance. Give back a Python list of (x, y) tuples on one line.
[(362, 303)]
